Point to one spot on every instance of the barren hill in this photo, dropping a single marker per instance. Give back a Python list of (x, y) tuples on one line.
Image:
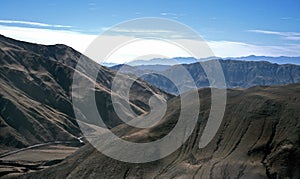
[(259, 138)]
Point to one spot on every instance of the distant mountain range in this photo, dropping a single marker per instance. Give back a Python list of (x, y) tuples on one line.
[(189, 60), (278, 60), (243, 74)]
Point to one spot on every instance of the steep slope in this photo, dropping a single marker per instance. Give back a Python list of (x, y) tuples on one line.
[(259, 138), (35, 95), (242, 74)]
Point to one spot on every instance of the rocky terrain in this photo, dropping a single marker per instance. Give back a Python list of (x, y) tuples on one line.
[(35, 95), (259, 138)]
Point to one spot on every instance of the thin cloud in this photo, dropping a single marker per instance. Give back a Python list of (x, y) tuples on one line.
[(121, 30), (293, 38), (30, 23), (284, 35), (286, 18), (80, 41), (160, 32), (172, 15), (92, 6), (77, 40), (168, 14), (238, 49)]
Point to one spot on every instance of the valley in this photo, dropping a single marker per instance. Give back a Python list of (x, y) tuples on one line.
[(40, 137)]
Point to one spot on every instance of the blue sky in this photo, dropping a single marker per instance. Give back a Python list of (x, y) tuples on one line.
[(257, 23)]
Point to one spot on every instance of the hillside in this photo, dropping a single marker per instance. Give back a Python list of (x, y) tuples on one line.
[(35, 95), (259, 138)]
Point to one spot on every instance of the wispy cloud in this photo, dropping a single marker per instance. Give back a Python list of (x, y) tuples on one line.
[(172, 15), (286, 18), (80, 41), (77, 40), (284, 35), (136, 30), (168, 14), (213, 18), (238, 49), (30, 23), (161, 32), (92, 6)]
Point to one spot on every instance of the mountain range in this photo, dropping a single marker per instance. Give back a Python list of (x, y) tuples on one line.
[(189, 60), (258, 137), (237, 73)]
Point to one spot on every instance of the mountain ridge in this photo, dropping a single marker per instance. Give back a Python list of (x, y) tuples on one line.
[(237, 73), (258, 138), (188, 60), (35, 97)]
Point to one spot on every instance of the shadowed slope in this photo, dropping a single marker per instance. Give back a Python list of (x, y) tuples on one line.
[(259, 138), (35, 96)]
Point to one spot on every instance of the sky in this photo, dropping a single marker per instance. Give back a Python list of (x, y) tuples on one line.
[(231, 28)]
